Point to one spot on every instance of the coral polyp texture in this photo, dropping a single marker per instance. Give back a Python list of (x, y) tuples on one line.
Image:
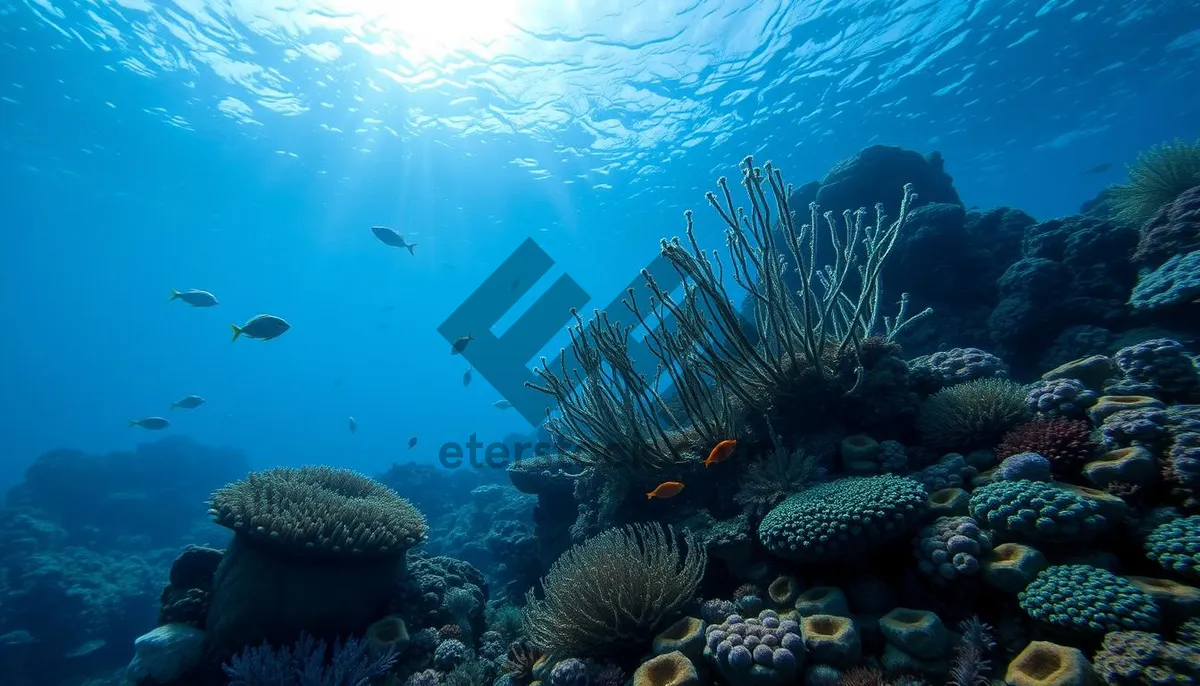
[(833, 519), (319, 510), (1036, 511), (1089, 599), (1176, 546)]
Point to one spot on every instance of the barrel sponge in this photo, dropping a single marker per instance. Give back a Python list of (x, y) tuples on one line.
[(319, 511), (1176, 546), (1026, 510), (1089, 599), (1042, 663), (840, 517)]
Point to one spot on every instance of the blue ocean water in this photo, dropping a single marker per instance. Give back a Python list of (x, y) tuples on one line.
[(246, 148)]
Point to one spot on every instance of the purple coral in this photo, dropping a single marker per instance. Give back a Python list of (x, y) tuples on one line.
[(1136, 426), (1059, 398), (966, 364), (950, 548), (1023, 466), (1159, 367), (766, 644)]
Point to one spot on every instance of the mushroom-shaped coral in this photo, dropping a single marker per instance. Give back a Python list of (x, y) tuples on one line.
[(1176, 546), (1036, 511), (860, 454), (668, 669), (919, 633), (389, 633), (950, 547), (315, 549), (841, 517), (763, 649), (1088, 599), (1042, 663), (831, 640), (1012, 566)]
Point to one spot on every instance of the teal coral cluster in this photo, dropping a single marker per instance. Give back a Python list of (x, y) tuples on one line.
[(1035, 510), (843, 516), (1086, 598), (1176, 546)]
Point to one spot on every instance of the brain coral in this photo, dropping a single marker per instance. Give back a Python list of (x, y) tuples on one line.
[(1087, 598), (319, 510), (1176, 546), (1035, 511), (843, 516)]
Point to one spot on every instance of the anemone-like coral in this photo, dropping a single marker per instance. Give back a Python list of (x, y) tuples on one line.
[(1158, 176), (840, 517), (769, 480), (972, 414), (1065, 442), (320, 511), (613, 591)]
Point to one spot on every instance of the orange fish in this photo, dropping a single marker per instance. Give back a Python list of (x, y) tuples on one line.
[(667, 489), (722, 451)]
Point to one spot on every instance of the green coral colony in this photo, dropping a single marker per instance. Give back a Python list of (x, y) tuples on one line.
[(882, 520)]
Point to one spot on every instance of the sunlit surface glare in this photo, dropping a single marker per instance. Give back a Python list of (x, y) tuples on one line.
[(433, 29)]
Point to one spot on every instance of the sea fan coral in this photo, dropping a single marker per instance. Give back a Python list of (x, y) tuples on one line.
[(1065, 442)]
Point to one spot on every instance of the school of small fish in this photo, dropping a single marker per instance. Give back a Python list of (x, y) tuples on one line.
[(264, 327)]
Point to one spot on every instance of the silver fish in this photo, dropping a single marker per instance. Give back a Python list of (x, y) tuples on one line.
[(194, 297), (151, 423), (263, 327), (353, 426), (467, 377), (393, 238), (189, 402), (502, 405)]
